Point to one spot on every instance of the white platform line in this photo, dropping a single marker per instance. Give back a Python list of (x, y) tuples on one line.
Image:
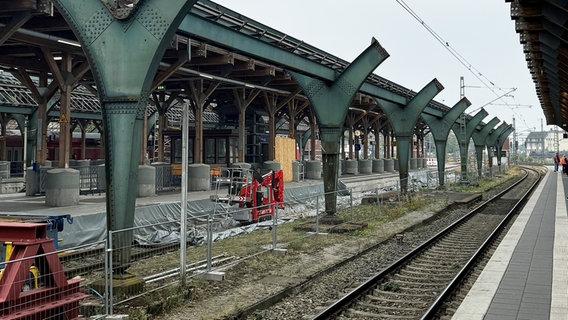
[(559, 303), (478, 299)]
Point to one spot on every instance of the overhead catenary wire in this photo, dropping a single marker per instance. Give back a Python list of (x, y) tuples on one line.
[(460, 58)]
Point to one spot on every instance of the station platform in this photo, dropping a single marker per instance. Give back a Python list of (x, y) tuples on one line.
[(527, 276)]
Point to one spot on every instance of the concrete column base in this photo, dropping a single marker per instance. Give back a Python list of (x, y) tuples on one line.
[(389, 165), (331, 219), (313, 169), (413, 163), (365, 166), (351, 167), (146, 181), (62, 187), (378, 165), (198, 177), (32, 182)]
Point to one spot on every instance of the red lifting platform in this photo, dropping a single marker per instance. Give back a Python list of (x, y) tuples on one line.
[(56, 298)]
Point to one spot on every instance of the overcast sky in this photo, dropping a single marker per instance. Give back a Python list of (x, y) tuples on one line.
[(480, 31)]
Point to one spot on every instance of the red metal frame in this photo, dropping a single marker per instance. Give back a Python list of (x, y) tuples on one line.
[(57, 299), (274, 181)]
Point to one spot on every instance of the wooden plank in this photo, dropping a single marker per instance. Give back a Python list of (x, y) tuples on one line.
[(285, 153)]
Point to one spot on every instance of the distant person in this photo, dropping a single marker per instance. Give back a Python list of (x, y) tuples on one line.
[(563, 163), (556, 162), (74, 156)]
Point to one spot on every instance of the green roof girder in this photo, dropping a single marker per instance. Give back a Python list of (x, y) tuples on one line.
[(202, 28), (403, 119), (195, 25), (17, 109), (441, 126), (470, 126), (499, 143), (503, 136), (77, 115), (463, 140), (124, 56), (330, 100), (479, 136), (493, 136)]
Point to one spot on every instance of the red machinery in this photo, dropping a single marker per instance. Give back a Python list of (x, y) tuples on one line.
[(56, 297), (256, 195)]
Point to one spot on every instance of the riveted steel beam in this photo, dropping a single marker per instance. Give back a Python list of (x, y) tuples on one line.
[(463, 137), (124, 55), (199, 27), (491, 141), (479, 138), (403, 119), (440, 128), (330, 101), (499, 143)]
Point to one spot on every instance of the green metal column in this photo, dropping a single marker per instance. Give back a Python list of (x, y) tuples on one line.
[(403, 119), (124, 46), (491, 141), (479, 137), (499, 143), (463, 139), (440, 128), (331, 102)]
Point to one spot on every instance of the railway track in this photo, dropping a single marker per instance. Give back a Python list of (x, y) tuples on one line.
[(417, 285)]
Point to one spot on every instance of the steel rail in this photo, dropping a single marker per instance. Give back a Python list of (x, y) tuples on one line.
[(463, 273), (349, 298)]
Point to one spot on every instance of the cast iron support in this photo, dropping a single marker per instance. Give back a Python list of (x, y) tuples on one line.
[(491, 141), (479, 137), (470, 126), (499, 144), (403, 119), (124, 46), (331, 102), (440, 128)]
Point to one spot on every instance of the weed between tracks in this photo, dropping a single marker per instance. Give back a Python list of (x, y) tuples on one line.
[(485, 184)]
